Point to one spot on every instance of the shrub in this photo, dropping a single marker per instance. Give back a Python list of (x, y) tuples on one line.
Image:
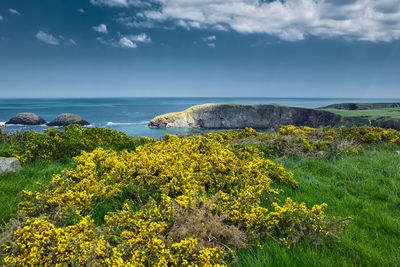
[(206, 201), (56, 144), (305, 141), (294, 221), (368, 135), (210, 229)]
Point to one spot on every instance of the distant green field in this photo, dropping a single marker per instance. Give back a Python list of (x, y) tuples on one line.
[(370, 113)]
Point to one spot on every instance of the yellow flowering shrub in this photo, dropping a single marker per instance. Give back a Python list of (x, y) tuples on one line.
[(306, 141), (233, 187), (368, 135), (319, 141), (128, 238), (294, 221), (57, 144), (40, 242), (227, 136), (178, 168)]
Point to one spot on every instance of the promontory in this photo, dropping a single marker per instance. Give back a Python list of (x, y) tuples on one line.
[(232, 116)]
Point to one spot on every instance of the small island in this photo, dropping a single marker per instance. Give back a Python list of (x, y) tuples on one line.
[(26, 118)]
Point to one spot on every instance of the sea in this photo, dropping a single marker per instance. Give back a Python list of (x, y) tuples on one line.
[(132, 115)]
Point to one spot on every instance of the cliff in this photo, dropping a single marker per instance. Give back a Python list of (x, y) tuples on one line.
[(229, 116)]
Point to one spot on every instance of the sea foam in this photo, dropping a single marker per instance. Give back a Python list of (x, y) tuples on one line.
[(110, 123)]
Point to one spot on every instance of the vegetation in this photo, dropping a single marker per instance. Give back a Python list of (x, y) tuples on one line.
[(366, 186), (63, 145), (393, 113), (235, 197)]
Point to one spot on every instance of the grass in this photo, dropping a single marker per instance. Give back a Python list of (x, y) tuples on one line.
[(31, 174), (4, 150), (365, 186), (393, 113)]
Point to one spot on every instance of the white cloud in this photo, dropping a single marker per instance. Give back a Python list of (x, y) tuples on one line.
[(140, 38), (126, 43), (67, 42), (80, 10), (291, 20), (13, 11), (106, 42), (102, 28), (210, 40), (133, 22), (120, 3), (71, 42), (113, 3), (156, 15), (47, 38), (1, 17), (52, 40)]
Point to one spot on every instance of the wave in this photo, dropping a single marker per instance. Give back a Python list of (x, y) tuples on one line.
[(110, 123), (3, 123)]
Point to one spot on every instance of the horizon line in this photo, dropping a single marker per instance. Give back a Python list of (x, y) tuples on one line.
[(208, 97)]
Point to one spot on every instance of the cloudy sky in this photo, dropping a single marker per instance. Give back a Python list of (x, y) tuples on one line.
[(158, 48)]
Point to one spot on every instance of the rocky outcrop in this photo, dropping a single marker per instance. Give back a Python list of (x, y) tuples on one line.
[(9, 165), (26, 118), (66, 119), (228, 116), (362, 106)]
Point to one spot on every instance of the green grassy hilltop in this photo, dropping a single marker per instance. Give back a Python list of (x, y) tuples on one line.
[(386, 115), (392, 113)]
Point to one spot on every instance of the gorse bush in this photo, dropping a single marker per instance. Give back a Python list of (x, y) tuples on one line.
[(56, 144), (295, 221), (230, 193), (183, 200), (369, 135), (305, 141)]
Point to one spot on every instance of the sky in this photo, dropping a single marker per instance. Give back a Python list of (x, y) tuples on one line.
[(204, 48)]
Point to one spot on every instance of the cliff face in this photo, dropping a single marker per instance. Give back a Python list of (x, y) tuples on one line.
[(227, 116)]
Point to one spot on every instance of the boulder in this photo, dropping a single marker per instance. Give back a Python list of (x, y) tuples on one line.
[(9, 165), (229, 116), (66, 119), (26, 118)]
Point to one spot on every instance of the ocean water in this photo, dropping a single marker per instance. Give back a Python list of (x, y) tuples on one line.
[(131, 115)]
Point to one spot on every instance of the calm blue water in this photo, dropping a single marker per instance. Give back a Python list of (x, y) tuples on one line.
[(131, 115)]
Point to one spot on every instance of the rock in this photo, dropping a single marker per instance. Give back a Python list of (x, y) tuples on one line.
[(396, 152), (26, 118), (9, 165), (66, 119), (228, 116)]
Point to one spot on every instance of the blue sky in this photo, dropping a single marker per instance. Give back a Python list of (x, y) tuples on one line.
[(224, 48)]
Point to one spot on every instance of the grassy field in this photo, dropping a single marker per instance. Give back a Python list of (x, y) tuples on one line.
[(367, 187), (31, 174), (370, 113)]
